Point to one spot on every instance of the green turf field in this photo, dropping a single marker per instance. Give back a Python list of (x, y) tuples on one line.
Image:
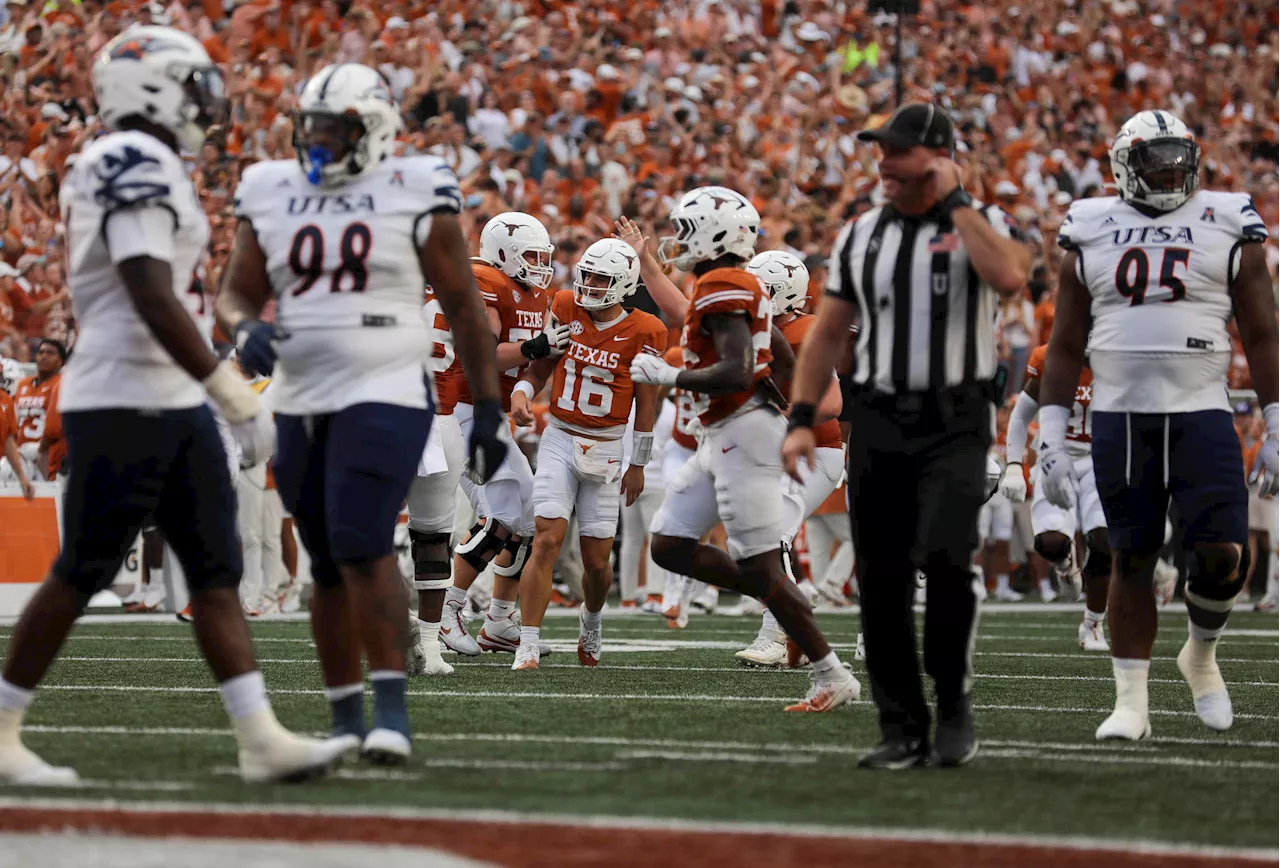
[(668, 726)]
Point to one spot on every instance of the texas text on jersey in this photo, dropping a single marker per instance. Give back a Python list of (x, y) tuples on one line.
[(686, 405), (118, 362), (735, 292), (344, 259), (1160, 287), (795, 328), (1080, 427), (521, 313), (592, 390)]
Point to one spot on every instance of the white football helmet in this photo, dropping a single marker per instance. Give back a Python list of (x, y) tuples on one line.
[(10, 374), (518, 245), (784, 276), (710, 222), (1156, 161), (163, 76), (346, 123), (609, 258)]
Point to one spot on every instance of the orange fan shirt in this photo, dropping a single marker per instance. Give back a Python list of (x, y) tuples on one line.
[(34, 404), (592, 391), (734, 292)]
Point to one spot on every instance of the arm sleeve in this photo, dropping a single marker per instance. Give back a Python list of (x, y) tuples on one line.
[(135, 232), (1024, 410)]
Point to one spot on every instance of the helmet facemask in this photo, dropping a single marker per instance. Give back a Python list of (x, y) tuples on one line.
[(1161, 173), (533, 267), (330, 146), (594, 289)]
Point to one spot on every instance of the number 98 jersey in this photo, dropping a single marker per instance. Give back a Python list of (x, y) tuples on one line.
[(1161, 297), (343, 265)]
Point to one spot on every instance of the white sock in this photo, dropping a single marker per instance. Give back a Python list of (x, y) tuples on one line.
[(430, 631), (245, 695), (499, 609), (591, 620), (14, 698), (1203, 649), (827, 665), (342, 691), (1131, 683), (769, 625), (1092, 618), (530, 636), (1273, 573), (1046, 588), (455, 595), (1002, 583), (386, 674)]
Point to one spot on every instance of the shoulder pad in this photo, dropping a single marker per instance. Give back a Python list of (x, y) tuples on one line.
[(263, 182), (1236, 211), (131, 170), (431, 178)]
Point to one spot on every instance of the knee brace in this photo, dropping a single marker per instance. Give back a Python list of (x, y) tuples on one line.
[(1053, 547), (431, 567), (487, 539), (1098, 562), (1218, 578), (519, 549), (787, 568)]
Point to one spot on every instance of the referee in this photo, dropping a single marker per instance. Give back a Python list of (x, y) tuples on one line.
[(920, 275)]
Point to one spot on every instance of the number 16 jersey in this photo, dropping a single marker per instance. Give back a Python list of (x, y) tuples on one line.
[(1161, 297), (343, 265)]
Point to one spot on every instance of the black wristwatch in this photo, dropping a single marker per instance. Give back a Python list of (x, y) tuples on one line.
[(957, 198)]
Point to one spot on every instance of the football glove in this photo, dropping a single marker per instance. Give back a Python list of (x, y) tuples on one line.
[(647, 368), (1266, 467), (256, 438), (1058, 476), (255, 346), (489, 442), (1012, 484), (552, 343)]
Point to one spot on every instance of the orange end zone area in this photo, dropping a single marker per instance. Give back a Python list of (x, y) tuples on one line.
[(544, 845)]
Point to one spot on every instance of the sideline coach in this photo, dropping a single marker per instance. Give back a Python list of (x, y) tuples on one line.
[(921, 276)]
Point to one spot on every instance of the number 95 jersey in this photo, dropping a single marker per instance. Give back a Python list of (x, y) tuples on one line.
[(1161, 298), (343, 265)]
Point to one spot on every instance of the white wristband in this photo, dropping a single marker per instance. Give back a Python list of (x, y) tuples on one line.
[(524, 387), (236, 401), (1053, 423), (641, 447)]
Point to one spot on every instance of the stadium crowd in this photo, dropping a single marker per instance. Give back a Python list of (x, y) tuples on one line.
[(583, 112)]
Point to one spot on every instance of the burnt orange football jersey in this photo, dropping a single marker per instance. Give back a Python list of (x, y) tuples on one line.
[(592, 388), (1080, 427), (686, 409), (34, 403), (448, 370), (795, 329), (8, 419), (521, 312), (735, 292)]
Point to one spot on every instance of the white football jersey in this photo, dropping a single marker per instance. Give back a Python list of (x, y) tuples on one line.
[(343, 264), (1161, 300), (128, 195)]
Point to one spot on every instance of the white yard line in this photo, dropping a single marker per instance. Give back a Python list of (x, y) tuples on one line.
[(792, 830), (606, 697)]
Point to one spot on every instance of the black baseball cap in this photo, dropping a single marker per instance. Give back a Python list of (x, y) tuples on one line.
[(916, 123)]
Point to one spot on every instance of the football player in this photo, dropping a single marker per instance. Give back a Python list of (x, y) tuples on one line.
[(432, 500), (36, 400), (580, 458), (728, 342), (342, 237), (142, 437), (513, 272), (1160, 268), (786, 280)]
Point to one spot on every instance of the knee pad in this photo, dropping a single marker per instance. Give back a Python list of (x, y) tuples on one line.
[(1218, 578), (1053, 547), (487, 539), (431, 568), (1098, 562), (519, 549)]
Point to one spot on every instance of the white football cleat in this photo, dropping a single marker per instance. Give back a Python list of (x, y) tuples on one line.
[(1165, 579), (283, 757), (1213, 703), (291, 597), (1124, 724), (386, 747), (453, 631), (1091, 638), (20, 767), (860, 649), (748, 606), (1007, 595), (424, 656), (1070, 581), (810, 592), (526, 658), (833, 596), (499, 635), (766, 651), (589, 641), (826, 695)]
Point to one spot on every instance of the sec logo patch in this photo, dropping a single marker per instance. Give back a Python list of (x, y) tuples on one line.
[(576, 328)]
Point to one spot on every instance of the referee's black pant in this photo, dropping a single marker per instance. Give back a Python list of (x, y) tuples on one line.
[(917, 480)]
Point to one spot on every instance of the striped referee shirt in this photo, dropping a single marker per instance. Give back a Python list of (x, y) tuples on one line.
[(926, 319)]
